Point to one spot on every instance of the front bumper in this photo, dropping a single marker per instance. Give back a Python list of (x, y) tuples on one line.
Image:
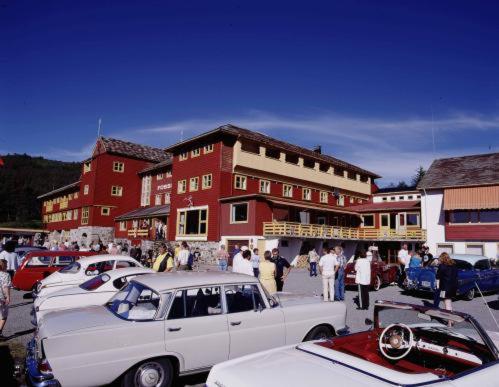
[(33, 376)]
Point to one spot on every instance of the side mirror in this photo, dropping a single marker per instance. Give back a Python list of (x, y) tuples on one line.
[(368, 321)]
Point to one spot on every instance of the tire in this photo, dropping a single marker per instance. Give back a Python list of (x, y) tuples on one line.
[(319, 333), (377, 283), (150, 373), (470, 294)]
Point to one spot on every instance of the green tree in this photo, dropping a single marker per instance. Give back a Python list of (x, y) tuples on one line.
[(420, 172)]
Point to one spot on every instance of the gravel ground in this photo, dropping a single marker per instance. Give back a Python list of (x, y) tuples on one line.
[(20, 330)]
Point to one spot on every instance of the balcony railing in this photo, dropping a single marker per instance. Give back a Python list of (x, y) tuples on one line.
[(138, 232), (318, 231)]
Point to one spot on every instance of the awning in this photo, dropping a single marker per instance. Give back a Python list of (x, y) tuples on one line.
[(145, 213), (313, 207), (471, 198)]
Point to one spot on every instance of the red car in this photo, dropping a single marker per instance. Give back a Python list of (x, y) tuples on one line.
[(39, 264), (381, 274)]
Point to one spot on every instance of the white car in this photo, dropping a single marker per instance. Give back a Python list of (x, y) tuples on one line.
[(166, 324), (95, 291), (408, 345), (80, 271)]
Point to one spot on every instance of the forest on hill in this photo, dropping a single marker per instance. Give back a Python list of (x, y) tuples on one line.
[(22, 179)]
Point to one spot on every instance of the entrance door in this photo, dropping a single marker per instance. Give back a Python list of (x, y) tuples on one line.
[(384, 221), (401, 221)]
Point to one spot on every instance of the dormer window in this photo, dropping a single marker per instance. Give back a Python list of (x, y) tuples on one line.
[(183, 156)]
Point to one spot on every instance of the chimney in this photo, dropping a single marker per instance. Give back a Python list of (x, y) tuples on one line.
[(317, 149)]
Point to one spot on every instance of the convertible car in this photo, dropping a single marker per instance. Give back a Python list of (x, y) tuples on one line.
[(408, 345), (474, 271), (381, 274)]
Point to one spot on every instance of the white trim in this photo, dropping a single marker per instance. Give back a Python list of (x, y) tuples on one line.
[(193, 208), (191, 238)]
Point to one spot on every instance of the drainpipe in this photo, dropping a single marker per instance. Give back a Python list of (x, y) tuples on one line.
[(425, 213)]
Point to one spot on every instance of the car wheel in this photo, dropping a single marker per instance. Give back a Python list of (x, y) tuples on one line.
[(319, 333), (377, 283), (470, 294), (151, 373)]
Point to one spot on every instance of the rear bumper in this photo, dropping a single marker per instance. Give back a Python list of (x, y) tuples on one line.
[(33, 376)]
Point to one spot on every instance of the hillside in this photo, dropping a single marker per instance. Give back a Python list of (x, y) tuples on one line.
[(22, 179)]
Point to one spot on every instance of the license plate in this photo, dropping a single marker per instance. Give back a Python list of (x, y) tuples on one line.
[(350, 275), (426, 284)]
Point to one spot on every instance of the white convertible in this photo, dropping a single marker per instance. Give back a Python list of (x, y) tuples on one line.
[(409, 345), (81, 270), (95, 291), (166, 324)]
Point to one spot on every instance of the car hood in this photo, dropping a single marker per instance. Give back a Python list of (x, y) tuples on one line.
[(78, 319), (53, 278)]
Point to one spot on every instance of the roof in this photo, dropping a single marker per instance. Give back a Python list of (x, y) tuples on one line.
[(147, 212), (394, 190), (387, 206), (130, 149), (158, 166), (470, 258), (69, 187), (165, 281), (472, 170), (274, 143)]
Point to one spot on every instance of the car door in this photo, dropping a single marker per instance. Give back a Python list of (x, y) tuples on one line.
[(196, 327), (485, 275), (36, 269), (253, 326)]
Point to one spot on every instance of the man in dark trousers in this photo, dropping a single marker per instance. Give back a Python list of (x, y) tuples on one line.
[(282, 269)]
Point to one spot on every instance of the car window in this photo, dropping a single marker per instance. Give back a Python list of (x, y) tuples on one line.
[(39, 261), (135, 302), (96, 282), (63, 261), (99, 268), (483, 264), (118, 283), (124, 264), (243, 298), (463, 265), (196, 302), (71, 269)]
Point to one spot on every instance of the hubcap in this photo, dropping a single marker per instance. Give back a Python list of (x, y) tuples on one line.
[(149, 375)]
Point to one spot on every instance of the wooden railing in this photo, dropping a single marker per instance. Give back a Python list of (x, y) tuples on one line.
[(318, 231), (138, 232)]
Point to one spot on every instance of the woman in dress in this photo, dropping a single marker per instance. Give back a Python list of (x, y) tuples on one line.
[(447, 279), (267, 273)]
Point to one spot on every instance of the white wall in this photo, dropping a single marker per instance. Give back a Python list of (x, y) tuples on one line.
[(433, 218), (378, 198)]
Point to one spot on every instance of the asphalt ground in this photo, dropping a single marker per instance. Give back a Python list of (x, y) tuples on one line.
[(19, 328)]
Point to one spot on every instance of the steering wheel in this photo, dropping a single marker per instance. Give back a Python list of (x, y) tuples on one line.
[(396, 341)]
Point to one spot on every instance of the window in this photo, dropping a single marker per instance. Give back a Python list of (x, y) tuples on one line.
[(401, 198), (181, 186), (239, 213), (265, 186), (306, 194), (368, 220), (339, 171), (87, 166), (243, 298), (123, 225), (410, 197), (192, 222), (459, 217), (251, 147), (489, 216), (105, 211), (324, 197), (159, 176), (118, 166), (207, 181), (195, 152), (291, 158), (208, 148), (38, 261), (183, 156), (116, 190), (145, 196), (351, 175), (157, 199), (124, 264), (476, 249), (168, 173), (197, 302), (240, 182), (167, 198), (321, 220), (76, 195), (412, 219), (136, 302), (444, 248), (307, 163), (194, 184), (392, 199), (75, 214), (384, 198), (272, 153), (385, 220), (483, 264), (341, 200), (324, 167), (287, 190), (418, 196), (85, 189), (84, 215)]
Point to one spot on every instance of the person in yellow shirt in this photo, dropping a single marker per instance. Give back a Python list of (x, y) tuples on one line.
[(267, 273), (164, 260)]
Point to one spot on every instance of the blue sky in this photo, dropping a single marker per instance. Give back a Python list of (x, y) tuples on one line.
[(361, 78)]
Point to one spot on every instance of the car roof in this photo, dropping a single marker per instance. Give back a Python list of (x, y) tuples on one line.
[(180, 279), (105, 257), (116, 273), (470, 258), (62, 253)]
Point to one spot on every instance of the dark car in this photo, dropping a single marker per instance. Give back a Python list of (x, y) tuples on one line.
[(382, 273)]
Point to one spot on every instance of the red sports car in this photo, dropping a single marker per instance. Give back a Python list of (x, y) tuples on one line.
[(381, 274)]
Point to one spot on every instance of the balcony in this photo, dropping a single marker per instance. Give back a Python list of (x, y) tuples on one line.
[(318, 231), (138, 233)]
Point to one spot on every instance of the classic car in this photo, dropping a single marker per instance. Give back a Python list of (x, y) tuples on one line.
[(40, 264), (408, 345), (80, 271), (95, 291), (382, 273), (474, 272), (165, 324)]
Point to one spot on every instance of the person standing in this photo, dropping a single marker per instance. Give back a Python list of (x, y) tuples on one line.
[(10, 256), (245, 266), (328, 265), (363, 278), (161, 262), (447, 279), (238, 258), (403, 260), (5, 284), (313, 257), (236, 251), (339, 283), (183, 257), (222, 258), (267, 273), (255, 261), (282, 269)]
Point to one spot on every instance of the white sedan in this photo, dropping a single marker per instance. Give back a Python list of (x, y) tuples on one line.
[(82, 270), (95, 291)]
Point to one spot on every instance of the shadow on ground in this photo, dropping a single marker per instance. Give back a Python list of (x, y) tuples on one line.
[(7, 365)]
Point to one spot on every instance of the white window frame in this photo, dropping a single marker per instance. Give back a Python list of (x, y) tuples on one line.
[(374, 220), (167, 198), (85, 215), (118, 166), (289, 188), (243, 182), (123, 225), (86, 189), (105, 211), (194, 184), (232, 220), (183, 156), (208, 148), (145, 196), (159, 176), (196, 152), (306, 194), (264, 186), (116, 190), (182, 186), (207, 181), (341, 200), (323, 197), (87, 166), (157, 199)]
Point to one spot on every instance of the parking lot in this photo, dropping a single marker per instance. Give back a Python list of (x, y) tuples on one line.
[(20, 330)]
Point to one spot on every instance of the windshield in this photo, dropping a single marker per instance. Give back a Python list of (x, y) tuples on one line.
[(135, 302), (96, 282), (71, 269)]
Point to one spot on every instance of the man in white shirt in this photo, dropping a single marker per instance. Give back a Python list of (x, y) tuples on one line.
[(238, 258), (328, 264), (363, 279), (245, 266), (183, 257), (403, 260)]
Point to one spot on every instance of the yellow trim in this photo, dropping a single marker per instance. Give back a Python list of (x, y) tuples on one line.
[(374, 220), (185, 210)]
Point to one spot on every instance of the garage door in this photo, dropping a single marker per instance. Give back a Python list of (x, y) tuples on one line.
[(231, 243)]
